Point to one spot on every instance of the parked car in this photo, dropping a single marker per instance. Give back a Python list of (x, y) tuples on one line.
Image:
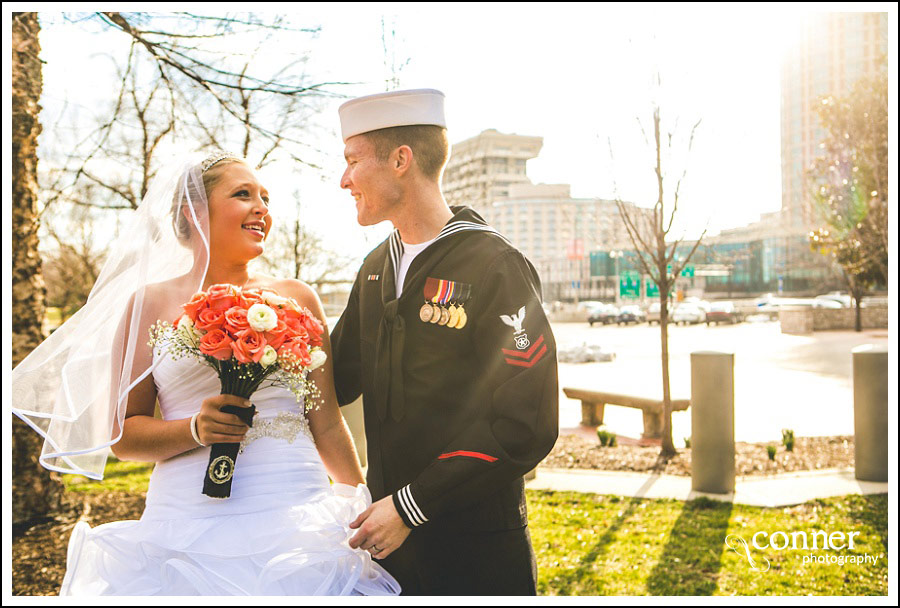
[(769, 304), (588, 305), (605, 313), (630, 314), (701, 304), (843, 299), (585, 353), (688, 313), (826, 303), (723, 312), (765, 300), (653, 313)]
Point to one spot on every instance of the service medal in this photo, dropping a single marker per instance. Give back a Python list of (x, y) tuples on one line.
[(462, 318), (454, 316), (445, 316), (426, 312), (436, 313)]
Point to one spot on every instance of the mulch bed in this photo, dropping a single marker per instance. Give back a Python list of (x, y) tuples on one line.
[(810, 454), (39, 549)]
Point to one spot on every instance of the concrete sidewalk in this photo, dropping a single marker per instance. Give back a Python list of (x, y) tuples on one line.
[(769, 491)]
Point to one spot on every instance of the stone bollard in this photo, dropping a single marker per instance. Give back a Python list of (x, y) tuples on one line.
[(353, 415), (870, 412), (797, 320), (712, 422)]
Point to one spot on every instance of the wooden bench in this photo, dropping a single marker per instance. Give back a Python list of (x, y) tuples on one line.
[(593, 402)]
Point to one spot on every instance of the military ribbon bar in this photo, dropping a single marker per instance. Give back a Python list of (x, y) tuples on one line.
[(451, 297), (431, 289), (445, 292), (466, 293)]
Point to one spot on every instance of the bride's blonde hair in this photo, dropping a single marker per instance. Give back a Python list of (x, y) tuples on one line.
[(211, 171)]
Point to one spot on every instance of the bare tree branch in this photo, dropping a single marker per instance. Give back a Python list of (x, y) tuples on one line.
[(126, 194), (165, 54), (84, 203), (255, 24), (680, 179)]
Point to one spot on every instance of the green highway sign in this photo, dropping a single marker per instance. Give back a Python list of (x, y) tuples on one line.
[(687, 271), (629, 284)]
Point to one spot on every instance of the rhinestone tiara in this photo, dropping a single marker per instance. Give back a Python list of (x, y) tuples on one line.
[(214, 158)]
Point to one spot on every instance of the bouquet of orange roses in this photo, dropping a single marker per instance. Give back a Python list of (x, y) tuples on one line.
[(246, 335)]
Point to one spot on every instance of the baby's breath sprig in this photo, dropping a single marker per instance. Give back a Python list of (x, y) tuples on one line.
[(175, 341), (298, 383)]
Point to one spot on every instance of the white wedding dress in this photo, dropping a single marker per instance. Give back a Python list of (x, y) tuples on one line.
[(283, 530)]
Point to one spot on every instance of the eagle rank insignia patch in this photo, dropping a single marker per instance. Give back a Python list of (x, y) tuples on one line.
[(515, 321), (523, 357)]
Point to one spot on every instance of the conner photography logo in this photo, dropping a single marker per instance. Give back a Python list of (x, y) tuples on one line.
[(816, 540)]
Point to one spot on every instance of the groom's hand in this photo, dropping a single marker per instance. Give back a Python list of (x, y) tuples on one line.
[(380, 529)]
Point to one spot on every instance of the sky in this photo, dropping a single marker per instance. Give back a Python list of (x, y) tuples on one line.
[(579, 76)]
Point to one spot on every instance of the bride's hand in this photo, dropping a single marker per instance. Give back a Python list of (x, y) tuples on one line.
[(215, 426)]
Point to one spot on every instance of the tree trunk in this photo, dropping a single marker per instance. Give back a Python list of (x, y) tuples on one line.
[(668, 446), (36, 491), (856, 296)]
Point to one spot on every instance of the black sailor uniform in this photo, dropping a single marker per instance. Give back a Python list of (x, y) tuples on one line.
[(454, 417)]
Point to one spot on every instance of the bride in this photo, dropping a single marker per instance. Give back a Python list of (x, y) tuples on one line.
[(94, 384)]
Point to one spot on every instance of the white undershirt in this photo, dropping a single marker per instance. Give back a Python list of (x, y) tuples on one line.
[(409, 254)]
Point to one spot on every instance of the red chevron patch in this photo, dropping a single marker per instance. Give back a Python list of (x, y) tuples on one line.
[(529, 357), (523, 363), (528, 353)]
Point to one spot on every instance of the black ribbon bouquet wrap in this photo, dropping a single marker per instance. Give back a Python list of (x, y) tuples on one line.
[(223, 457)]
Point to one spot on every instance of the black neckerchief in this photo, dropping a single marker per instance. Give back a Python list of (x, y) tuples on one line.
[(391, 333)]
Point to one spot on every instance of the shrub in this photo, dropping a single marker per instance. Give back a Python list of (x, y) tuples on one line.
[(606, 438), (771, 449), (787, 438)]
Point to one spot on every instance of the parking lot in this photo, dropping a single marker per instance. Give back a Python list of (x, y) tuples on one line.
[(781, 381)]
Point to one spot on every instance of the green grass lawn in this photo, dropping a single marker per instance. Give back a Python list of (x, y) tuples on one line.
[(119, 476), (588, 544)]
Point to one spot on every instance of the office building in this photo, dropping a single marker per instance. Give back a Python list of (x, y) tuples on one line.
[(830, 52)]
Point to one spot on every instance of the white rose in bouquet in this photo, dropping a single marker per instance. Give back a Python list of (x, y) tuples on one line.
[(270, 355), (317, 358), (273, 299), (261, 317)]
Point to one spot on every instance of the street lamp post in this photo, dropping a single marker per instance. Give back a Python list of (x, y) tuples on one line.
[(615, 255)]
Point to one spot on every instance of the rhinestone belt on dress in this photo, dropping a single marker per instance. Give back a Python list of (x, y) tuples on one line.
[(284, 425)]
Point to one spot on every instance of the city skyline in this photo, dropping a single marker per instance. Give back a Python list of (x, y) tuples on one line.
[(546, 74)]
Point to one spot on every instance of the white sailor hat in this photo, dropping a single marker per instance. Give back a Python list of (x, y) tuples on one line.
[(392, 109)]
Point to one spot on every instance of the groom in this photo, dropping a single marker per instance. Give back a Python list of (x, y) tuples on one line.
[(445, 337)]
